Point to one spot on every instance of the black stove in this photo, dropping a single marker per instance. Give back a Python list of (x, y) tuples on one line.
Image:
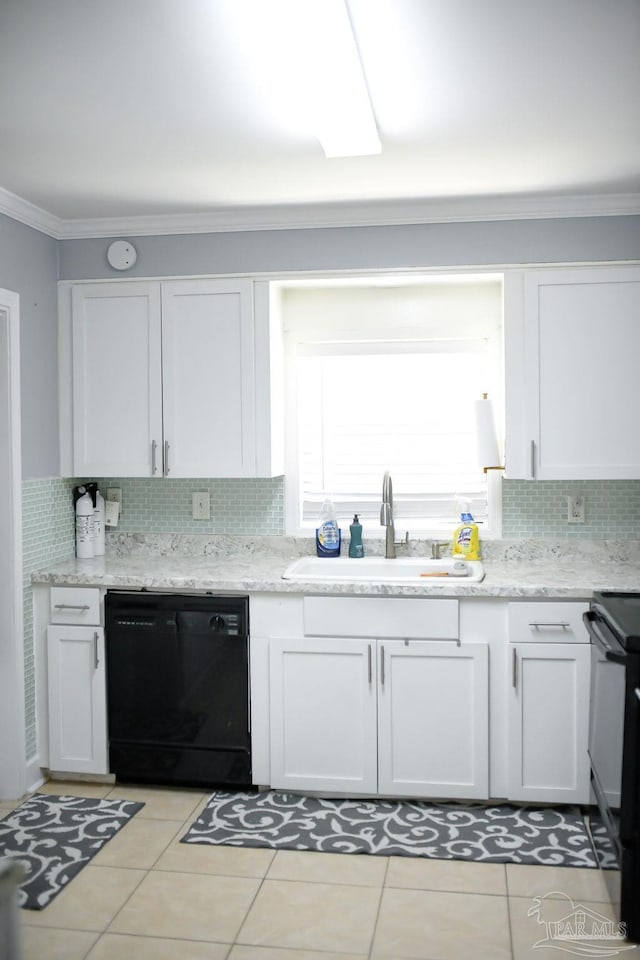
[(613, 622), (621, 612)]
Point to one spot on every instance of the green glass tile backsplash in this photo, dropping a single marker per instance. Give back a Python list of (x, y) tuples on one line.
[(252, 507), (531, 510), (537, 509), (48, 535)]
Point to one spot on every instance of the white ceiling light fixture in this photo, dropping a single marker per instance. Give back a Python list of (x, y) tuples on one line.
[(303, 58), (343, 115)]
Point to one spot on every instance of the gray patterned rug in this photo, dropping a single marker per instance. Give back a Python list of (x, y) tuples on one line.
[(55, 837), (503, 833)]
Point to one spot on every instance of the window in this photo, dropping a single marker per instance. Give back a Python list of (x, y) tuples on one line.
[(386, 379)]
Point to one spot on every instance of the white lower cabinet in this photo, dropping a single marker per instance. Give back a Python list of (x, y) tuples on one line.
[(323, 715), (549, 704), (77, 699), (392, 717), (433, 719)]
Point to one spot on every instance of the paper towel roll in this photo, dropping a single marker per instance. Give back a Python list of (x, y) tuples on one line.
[(488, 453)]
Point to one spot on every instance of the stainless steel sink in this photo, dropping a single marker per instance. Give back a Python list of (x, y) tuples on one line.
[(379, 569)]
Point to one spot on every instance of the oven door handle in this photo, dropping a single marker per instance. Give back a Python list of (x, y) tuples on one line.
[(609, 646)]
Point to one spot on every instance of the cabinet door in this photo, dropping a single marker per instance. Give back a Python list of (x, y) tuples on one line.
[(117, 389), (208, 378), (323, 715), (77, 700), (581, 344), (433, 719), (549, 722)]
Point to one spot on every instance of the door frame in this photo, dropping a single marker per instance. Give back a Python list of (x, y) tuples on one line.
[(13, 767)]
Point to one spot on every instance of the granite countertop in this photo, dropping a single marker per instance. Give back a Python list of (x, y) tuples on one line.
[(225, 564)]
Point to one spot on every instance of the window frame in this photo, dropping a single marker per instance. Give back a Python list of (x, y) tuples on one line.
[(442, 529)]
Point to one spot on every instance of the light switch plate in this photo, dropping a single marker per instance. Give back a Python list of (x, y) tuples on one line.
[(201, 506), (112, 513), (575, 509), (114, 494)]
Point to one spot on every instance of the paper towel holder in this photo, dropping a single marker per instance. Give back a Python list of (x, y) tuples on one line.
[(486, 435)]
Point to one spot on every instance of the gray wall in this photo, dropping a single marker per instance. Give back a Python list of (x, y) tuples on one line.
[(421, 245), (30, 263), (29, 266)]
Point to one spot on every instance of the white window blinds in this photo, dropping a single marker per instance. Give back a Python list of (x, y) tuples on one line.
[(363, 404)]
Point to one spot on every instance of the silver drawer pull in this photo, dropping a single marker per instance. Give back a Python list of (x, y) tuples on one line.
[(96, 660), (369, 665), (72, 606), (550, 623), (637, 693)]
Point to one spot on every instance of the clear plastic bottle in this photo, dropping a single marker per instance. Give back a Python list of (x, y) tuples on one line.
[(328, 533)]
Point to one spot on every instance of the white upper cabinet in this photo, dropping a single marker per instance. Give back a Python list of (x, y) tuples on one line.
[(171, 378), (116, 378), (573, 391), (208, 379)]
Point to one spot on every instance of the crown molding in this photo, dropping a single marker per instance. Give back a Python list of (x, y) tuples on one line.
[(308, 216), (32, 216)]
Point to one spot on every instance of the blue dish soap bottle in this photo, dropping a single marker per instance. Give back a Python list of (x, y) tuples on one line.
[(328, 533), (356, 548)]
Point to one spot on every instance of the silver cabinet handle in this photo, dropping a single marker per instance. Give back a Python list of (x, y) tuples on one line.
[(369, 664), (533, 458), (514, 669), (72, 606), (637, 693), (154, 449), (382, 666), (166, 457), (536, 624), (96, 660)]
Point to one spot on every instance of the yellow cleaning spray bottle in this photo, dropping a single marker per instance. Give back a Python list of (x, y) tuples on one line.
[(466, 539)]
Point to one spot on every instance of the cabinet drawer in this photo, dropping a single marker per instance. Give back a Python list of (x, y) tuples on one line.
[(547, 622), (74, 605), (381, 617)]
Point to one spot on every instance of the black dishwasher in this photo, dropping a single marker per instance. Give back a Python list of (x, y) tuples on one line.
[(178, 689)]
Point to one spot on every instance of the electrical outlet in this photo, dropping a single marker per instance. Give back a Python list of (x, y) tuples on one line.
[(115, 495), (575, 509), (201, 506)]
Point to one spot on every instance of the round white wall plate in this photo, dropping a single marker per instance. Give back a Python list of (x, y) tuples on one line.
[(122, 255)]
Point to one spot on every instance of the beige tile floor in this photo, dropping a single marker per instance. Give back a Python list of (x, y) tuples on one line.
[(146, 896)]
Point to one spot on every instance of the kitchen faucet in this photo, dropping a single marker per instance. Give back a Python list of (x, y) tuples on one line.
[(386, 517)]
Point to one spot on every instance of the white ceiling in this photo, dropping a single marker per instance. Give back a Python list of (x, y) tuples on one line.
[(155, 112)]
